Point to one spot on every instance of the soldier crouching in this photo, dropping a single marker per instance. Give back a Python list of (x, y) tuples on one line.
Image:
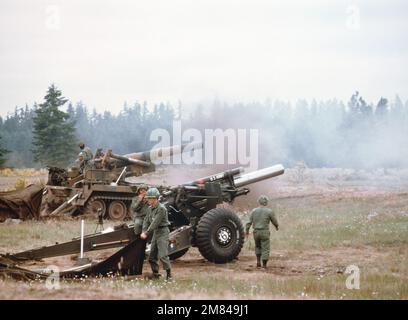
[(140, 208)]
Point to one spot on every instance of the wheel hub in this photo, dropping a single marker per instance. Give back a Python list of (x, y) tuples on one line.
[(224, 236)]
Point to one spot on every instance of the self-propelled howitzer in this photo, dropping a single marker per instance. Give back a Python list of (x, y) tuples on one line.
[(98, 187)]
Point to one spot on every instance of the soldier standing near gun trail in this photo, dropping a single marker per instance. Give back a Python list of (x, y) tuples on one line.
[(156, 224), (140, 208), (260, 218)]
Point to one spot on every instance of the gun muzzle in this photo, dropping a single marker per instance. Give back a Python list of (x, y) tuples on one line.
[(259, 175)]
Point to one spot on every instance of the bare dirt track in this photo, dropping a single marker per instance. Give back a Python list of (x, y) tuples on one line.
[(330, 219)]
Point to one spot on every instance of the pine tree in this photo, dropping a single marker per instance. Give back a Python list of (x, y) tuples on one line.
[(71, 110), (382, 107), (3, 153), (54, 138)]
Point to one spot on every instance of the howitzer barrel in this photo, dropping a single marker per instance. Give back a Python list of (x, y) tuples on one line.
[(130, 160), (217, 176), (163, 152), (259, 175)]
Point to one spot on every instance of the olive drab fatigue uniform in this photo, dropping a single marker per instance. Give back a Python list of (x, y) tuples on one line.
[(87, 163), (157, 224), (140, 208), (88, 154), (260, 218), (81, 164)]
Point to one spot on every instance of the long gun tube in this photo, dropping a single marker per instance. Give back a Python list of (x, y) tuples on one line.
[(130, 160), (163, 152), (216, 177), (259, 175), (243, 179)]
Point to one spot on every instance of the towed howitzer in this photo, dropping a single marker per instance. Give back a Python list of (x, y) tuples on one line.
[(195, 211), (215, 189), (195, 215)]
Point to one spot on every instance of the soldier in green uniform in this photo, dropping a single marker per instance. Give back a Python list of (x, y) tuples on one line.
[(156, 224), (80, 162), (140, 208), (83, 164), (87, 152), (260, 218)]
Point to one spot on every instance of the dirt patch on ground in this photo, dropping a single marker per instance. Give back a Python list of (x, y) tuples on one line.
[(282, 263), (286, 263)]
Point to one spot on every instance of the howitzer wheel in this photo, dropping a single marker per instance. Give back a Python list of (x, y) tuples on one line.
[(220, 235), (95, 206), (117, 210)]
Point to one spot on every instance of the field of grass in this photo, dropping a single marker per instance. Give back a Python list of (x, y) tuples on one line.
[(17, 179), (319, 222), (212, 287), (320, 235), (322, 232)]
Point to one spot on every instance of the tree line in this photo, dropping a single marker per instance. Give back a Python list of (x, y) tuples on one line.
[(47, 135), (328, 133)]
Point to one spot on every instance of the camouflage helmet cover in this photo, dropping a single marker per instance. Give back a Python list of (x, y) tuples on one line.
[(263, 200)]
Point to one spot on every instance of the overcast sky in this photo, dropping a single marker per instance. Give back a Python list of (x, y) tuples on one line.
[(108, 52)]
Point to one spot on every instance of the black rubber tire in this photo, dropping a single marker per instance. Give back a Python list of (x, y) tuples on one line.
[(178, 254), (209, 230)]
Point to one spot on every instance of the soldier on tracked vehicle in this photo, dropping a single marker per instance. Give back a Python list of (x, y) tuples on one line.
[(80, 162), (85, 158), (87, 151)]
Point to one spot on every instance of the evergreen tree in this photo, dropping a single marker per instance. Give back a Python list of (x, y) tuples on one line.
[(71, 110), (358, 106), (3, 153), (382, 107), (398, 105), (54, 138)]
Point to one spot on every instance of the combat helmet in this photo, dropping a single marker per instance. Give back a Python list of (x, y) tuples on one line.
[(263, 200), (142, 187), (152, 193)]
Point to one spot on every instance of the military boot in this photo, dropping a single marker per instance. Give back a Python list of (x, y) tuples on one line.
[(264, 262), (258, 260), (156, 274), (168, 276)]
